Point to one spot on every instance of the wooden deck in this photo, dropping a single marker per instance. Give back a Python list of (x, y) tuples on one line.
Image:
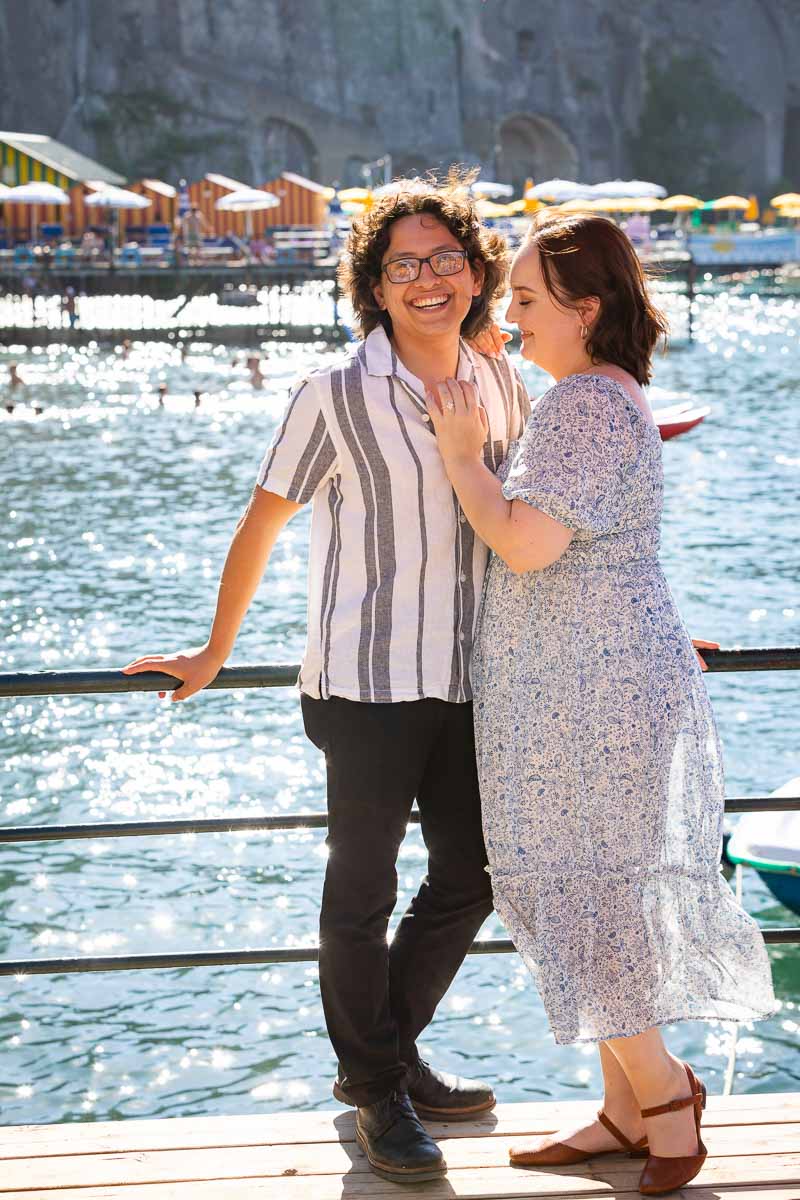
[(753, 1143)]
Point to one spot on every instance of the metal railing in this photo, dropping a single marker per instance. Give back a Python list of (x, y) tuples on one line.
[(60, 683)]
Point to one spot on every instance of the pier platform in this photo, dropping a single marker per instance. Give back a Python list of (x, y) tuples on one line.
[(753, 1143)]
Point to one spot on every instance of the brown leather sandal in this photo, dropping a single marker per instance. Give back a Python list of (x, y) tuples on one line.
[(561, 1154), (662, 1175)]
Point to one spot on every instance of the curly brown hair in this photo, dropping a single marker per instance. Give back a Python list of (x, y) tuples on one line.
[(583, 254), (452, 204)]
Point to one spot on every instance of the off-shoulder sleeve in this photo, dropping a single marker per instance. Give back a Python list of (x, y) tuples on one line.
[(573, 458)]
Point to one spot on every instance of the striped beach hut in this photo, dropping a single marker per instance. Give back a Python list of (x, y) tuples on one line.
[(303, 202), (204, 194), (163, 199), (33, 156)]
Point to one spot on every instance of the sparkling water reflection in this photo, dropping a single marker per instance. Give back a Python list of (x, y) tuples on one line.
[(116, 517)]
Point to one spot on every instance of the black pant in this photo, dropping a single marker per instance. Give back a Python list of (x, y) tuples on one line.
[(378, 998)]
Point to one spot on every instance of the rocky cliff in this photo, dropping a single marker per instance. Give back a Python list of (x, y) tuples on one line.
[(707, 94)]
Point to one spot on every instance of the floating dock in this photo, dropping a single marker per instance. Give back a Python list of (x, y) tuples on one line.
[(753, 1154)]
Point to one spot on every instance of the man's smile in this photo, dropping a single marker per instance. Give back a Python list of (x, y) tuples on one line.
[(436, 301)]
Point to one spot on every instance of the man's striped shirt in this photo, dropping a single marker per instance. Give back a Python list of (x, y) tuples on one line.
[(395, 570)]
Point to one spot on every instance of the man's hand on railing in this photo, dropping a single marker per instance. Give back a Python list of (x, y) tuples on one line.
[(698, 643), (195, 669)]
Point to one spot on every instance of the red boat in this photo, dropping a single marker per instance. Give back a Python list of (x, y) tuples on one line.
[(678, 418)]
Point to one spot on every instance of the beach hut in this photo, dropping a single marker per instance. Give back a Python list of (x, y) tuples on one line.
[(28, 157), (160, 216), (303, 202), (204, 194)]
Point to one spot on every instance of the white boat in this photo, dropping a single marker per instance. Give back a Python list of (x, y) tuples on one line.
[(770, 843)]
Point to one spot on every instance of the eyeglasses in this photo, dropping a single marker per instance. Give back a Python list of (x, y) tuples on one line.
[(406, 270)]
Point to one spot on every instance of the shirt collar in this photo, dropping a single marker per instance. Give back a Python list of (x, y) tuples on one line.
[(380, 359)]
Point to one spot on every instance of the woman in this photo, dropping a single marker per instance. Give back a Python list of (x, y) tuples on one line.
[(599, 762)]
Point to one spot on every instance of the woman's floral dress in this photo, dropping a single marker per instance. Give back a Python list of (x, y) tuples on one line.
[(600, 766)]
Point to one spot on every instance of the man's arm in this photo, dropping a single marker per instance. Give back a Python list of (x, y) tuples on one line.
[(256, 533)]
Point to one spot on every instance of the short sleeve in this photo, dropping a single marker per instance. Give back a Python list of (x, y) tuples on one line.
[(301, 456), (573, 458), (522, 402)]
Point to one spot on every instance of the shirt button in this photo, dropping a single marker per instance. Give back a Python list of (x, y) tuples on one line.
[(462, 519), (463, 577), (426, 416), (461, 637)]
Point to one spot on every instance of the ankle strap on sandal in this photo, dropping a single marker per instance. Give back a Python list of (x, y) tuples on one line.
[(626, 1143), (673, 1105)]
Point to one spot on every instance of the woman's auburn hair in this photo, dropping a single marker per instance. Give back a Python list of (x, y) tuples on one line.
[(450, 203), (583, 255)]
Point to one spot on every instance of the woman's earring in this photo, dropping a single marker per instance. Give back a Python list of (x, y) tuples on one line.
[(584, 332)]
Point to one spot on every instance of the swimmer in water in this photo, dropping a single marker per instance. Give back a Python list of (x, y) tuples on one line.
[(162, 391), (197, 396), (14, 382), (254, 367)]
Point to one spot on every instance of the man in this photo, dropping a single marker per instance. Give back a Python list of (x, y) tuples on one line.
[(395, 577)]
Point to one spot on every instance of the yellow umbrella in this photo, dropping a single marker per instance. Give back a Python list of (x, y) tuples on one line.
[(681, 203), (487, 209), (354, 208), (785, 198), (578, 205), (359, 194), (790, 210), (730, 203), (627, 204)]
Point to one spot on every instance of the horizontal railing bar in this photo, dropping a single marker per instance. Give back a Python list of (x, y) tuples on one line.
[(270, 822), (77, 683), (229, 958), (74, 683)]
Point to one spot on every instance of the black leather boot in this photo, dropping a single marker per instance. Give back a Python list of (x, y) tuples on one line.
[(439, 1096), (395, 1143)]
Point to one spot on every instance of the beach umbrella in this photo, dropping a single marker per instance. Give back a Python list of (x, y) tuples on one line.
[(491, 191), (114, 197), (35, 193), (357, 195), (117, 199), (784, 199), (576, 205), (628, 204), (681, 203), (247, 200), (627, 188), (487, 210), (790, 210), (730, 204), (557, 191)]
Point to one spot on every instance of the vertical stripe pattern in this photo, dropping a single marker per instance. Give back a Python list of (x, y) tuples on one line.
[(395, 570)]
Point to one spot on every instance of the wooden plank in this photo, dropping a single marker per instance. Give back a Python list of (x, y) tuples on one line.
[(726, 1146), (507, 1120), (485, 1185)]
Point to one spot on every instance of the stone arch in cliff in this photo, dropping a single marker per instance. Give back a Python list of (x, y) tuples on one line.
[(533, 146), (286, 146)]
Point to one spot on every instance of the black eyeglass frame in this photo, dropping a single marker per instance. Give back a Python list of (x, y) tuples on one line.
[(463, 254)]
